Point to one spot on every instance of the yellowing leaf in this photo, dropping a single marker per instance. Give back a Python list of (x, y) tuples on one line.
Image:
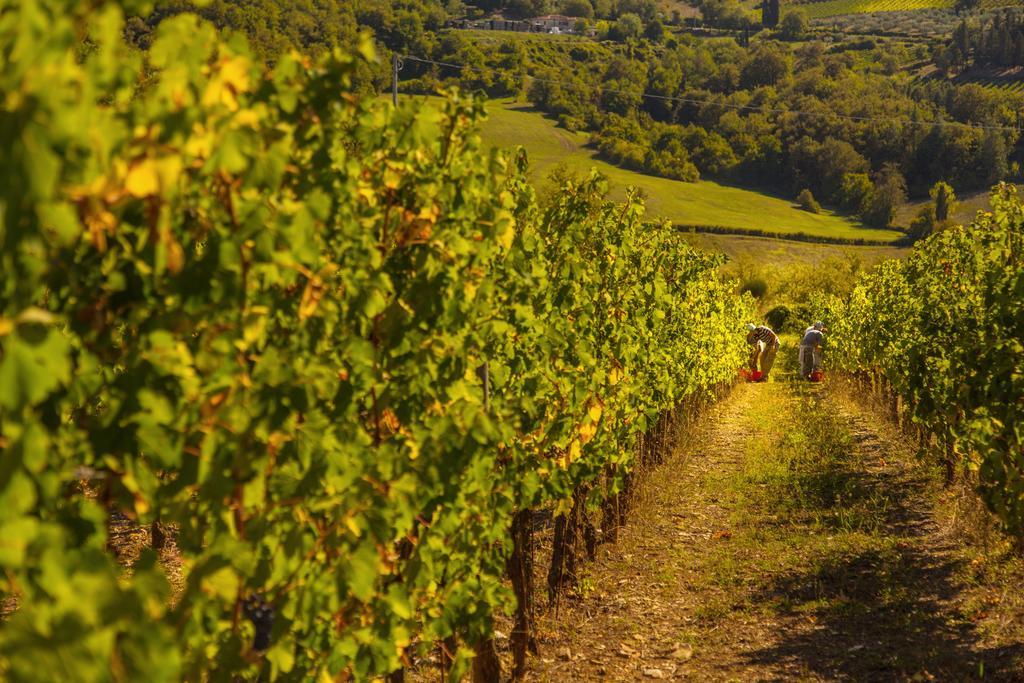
[(200, 144), (143, 179), (587, 432), (235, 73), (218, 93), (414, 448), (311, 298), (38, 316), (369, 195), (169, 170), (141, 505), (254, 324), (225, 84), (175, 254), (506, 233), (563, 507), (392, 179), (594, 412), (430, 213), (350, 522), (100, 224), (247, 118)]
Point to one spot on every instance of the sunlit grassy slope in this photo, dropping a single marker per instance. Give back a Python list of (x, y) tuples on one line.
[(703, 203), (766, 250)]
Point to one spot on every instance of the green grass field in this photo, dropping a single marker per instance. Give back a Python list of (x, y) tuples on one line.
[(776, 252), (703, 203), (967, 208)]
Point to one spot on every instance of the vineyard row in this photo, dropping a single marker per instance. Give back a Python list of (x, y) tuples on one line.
[(941, 332), (332, 353)]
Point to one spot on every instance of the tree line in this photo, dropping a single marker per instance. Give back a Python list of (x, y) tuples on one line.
[(786, 117), (839, 121), (995, 39)]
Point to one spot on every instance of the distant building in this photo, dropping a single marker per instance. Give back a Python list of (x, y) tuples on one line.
[(495, 23), (551, 23), (554, 23), (502, 24)]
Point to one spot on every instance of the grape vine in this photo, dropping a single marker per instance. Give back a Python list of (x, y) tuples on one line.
[(249, 306), (943, 330)]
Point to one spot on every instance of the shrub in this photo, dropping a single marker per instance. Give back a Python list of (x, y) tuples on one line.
[(628, 26), (890, 192), (572, 123), (924, 223), (779, 317), (795, 25), (945, 201), (807, 202), (856, 193), (756, 286)]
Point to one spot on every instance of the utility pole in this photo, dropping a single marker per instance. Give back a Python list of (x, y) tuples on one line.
[(396, 66)]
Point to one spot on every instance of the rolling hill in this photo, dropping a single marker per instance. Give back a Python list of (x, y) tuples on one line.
[(701, 204)]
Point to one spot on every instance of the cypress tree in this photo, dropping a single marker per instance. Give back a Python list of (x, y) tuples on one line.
[(962, 40)]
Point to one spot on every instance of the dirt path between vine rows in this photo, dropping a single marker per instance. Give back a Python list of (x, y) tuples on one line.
[(795, 538)]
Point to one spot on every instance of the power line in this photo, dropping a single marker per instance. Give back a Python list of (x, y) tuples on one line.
[(726, 105)]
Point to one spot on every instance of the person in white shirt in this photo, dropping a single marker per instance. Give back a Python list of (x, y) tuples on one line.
[(810, 349)]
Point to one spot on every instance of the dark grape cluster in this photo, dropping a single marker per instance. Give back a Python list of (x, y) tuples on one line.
[(262, 617)]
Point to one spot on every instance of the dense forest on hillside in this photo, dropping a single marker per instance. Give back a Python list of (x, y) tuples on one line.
[(843, 121), (995, 39)]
